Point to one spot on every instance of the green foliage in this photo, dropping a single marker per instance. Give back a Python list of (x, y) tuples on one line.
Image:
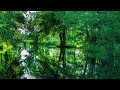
[(10, 22), (96, 32), (88, 41), (9, 65), (46, 21)]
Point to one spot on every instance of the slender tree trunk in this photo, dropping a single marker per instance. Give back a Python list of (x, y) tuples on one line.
[(62, 56), (62, 49), (62, 36)]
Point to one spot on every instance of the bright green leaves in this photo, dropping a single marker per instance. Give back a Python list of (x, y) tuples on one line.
[(2, 25)]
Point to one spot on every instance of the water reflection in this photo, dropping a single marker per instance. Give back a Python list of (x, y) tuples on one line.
[(24, 53), (52, 52), (63, 57), (24, 59)]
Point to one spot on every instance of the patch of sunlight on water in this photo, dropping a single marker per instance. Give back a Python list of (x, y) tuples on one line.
[(52, 52), (77, 51), (24, 53), (29, 76)]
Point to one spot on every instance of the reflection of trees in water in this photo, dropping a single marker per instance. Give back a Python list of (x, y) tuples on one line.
[(62, 56), (46, 63)]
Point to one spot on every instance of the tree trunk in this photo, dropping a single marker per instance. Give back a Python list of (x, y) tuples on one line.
[(62, 38), (62, 50), (62, 56)]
